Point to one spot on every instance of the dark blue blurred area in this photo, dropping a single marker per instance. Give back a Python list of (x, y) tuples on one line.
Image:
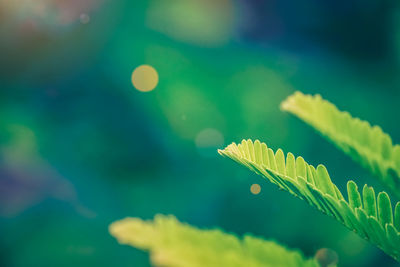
[(80, 147)]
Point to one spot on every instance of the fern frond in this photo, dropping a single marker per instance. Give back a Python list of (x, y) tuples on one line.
[(172, 243), (369, 216), (366, 144)]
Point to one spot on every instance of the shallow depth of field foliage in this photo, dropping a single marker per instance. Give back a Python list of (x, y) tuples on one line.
[(83, 143), (370, 216), (366, 214)]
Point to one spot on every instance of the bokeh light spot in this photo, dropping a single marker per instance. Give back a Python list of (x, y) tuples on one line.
[(352, 244), (84, 18), (208, 141), (326, 257), (145, 78), (200, 22), (255, 189)]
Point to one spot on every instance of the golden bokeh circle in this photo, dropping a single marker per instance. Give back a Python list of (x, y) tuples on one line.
[(255, 189), (145, 78)]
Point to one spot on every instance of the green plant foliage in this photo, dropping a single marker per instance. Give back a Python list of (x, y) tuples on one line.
[(369, 216), (172, 243), (366, 144)]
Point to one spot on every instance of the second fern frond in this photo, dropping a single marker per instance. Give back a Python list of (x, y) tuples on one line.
[(172, 243), (366, 144)]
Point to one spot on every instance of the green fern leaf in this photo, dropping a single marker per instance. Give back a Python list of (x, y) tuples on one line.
[(369, 217), (366, 144), (172, 243)]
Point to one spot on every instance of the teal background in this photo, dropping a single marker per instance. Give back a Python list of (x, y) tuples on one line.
[(81, 148)]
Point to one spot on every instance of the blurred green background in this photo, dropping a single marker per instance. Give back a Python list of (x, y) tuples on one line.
[(80, 147)]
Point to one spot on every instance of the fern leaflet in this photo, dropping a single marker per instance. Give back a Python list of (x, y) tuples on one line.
[(172, 243), (369, 216), (366, 144)]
